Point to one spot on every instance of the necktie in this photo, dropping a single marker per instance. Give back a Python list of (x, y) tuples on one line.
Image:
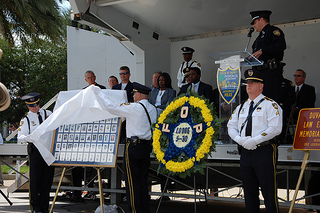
[(39, 117), (297, 92), (249, 122), (194, 88)]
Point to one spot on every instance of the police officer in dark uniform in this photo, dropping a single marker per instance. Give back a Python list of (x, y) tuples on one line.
[(268, 47), (139, 116), (253, 125), (41, 175), (184, 68), (287, 99)]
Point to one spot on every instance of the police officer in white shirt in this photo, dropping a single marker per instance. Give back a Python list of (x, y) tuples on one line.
[(185, 66), (139, 116), (254, 125), (41, 175)]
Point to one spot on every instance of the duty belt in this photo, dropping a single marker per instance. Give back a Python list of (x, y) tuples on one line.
[(135, 140), (271, 64)]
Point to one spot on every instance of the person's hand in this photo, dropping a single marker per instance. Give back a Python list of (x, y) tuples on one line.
[(257, 53), (241, 140), (250, 144)]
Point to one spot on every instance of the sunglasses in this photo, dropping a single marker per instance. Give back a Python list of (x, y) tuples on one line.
[(297, 75), (123, 73)]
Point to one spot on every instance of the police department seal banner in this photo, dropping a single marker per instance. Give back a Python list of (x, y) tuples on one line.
[(228, 82), (184, 135)]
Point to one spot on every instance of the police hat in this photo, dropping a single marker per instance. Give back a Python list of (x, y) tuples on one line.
[(187, 50), (31, 99), (140, 88), (253, 76), (260, 14)]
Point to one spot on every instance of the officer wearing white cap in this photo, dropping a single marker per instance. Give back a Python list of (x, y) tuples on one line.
[(139, 116), (41, 175), (186, 65), (253, 125), (268, 47)]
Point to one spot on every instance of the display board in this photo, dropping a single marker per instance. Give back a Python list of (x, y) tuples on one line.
[(87, 144)]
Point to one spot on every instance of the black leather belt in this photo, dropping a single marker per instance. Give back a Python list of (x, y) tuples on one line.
[(271, 64), (264, 143), (136, 140)]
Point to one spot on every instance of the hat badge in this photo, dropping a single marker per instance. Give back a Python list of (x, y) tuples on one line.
[(250, 72)]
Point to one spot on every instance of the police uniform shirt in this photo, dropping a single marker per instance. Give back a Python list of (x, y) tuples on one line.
[(266, 120), (136, 117), (180, 75), (34, 123), (272, 43)]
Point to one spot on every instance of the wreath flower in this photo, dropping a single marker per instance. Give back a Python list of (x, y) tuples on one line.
[(184, 135)]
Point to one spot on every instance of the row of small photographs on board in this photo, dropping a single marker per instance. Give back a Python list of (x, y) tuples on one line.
[(84, 157), (88, 128), (84, 147), (86, 137)]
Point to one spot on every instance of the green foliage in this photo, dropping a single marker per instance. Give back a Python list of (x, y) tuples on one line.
[(33, 68), (28, 21)]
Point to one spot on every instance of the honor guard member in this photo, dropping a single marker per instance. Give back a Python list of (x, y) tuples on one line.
[(268, 47), (139, 116), (41, 175), (253, 125), (185, 66)]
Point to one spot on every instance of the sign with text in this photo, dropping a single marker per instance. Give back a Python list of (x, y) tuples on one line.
[(307, 136), (87, 144), (228, 82)]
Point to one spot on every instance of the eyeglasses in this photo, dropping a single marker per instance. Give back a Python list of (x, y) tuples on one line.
[(297, 75), (123, 73)]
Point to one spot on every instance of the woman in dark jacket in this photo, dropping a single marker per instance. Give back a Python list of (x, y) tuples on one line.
[(163, 94)]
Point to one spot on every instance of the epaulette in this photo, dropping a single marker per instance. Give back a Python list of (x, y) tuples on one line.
[(268, 99), (197, 63), (125, 104)]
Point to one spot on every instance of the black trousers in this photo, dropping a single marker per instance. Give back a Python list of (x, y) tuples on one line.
[(137, 163), (258, 168), (41, 177)]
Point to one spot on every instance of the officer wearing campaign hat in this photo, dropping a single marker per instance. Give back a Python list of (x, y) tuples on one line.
[(268, 47), (184, 69), (139, 115), (41, 175), (254, 126)]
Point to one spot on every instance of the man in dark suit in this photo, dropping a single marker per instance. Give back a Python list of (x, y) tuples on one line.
[(305, 94), (196, 85), (125, 82)]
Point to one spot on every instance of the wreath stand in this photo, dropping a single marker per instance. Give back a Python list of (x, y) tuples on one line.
[(100, 189), (194, 188)]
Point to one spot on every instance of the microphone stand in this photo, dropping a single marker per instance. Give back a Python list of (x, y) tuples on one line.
[(249, 35)]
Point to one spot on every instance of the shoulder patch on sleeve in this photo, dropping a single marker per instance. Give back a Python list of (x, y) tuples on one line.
[(197, 63), (291, 84), (125, 104), (277, 32), (275, 105), (264, 134)]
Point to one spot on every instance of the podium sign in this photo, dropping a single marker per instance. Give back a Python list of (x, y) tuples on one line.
[(307, 136), (228, 82)]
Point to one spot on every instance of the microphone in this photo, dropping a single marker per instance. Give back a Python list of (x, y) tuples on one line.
[(250, 32)]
